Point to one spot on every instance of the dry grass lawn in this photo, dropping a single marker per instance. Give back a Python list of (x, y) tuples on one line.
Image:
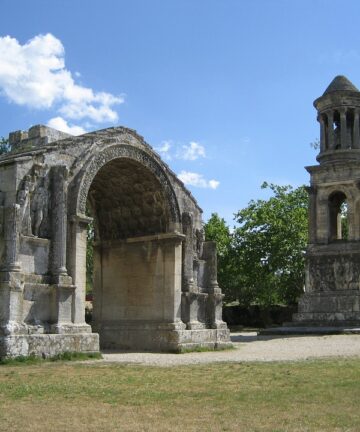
[(297, 396)]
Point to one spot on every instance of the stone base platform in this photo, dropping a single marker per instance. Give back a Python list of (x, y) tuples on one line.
[(48, 345), (319, 330), (161, 337)]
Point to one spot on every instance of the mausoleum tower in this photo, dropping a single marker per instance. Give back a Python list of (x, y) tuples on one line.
[(332, 287), (338, 114)]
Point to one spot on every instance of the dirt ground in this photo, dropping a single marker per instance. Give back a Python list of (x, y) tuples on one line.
[(250, 347)]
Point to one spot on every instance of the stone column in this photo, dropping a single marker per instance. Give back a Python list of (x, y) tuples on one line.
[(11, 238), (312, 214), (172, 249), (62, 282), (77, 266), (214, 303), (190, 294), (322, 133), (356, 134), (59, 221), (330, 130), (11, 278), (210, 256), (188, 257), (322, 216), (343, 129)]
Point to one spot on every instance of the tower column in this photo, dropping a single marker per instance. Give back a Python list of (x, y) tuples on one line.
[(312, 214), (356, 133), (322, 133), (343, 129), (330, 130)]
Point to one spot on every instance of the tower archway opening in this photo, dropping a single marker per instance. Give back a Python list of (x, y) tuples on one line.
[(338, 217)]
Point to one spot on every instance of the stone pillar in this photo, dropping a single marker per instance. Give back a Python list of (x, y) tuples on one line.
[(11, 238), (62, 282), (322, 217), (312, 214), (189, 310), (343, 129), (63, 309), (215, 297), (330, 130), (210, 256), (322, 133), (172, 249), (190, 291), (11, 303), (77, 267), (11, 279), (188, 255), (59, 221), (356, 134)]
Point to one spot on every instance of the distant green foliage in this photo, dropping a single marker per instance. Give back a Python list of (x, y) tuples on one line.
[(263, 260), (315, 144), (217, 230), (344, 221), (4, 145)]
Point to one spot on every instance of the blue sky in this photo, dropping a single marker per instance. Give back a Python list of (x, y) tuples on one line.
[(223, 88)]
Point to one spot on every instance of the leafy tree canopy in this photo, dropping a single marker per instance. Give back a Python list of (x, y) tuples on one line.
[(264, 258), (217, 230), (4, 145)]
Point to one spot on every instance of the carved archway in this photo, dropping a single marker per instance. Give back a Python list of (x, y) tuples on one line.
[(137, 253), (88, 173)]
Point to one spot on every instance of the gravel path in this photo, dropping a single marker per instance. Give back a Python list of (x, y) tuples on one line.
[(250, 347)]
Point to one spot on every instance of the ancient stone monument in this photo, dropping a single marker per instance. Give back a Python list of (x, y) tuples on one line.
[(332, 289), (155, 284)]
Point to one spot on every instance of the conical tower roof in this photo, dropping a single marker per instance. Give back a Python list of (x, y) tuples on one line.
[(340, 83)]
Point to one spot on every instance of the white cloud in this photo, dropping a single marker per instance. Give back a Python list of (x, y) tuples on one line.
[(164, 150), (34, 74), (61, 124), (213, 184), (197, 180), (192, 151)]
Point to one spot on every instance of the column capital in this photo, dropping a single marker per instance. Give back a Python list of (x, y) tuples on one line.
[(342, 111), (320, 118)]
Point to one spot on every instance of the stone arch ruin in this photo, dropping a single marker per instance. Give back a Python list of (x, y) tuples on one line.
[(155, 285)]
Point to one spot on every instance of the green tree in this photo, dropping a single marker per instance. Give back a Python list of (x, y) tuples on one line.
[(4, 145), (268, 247), (217, 230)]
